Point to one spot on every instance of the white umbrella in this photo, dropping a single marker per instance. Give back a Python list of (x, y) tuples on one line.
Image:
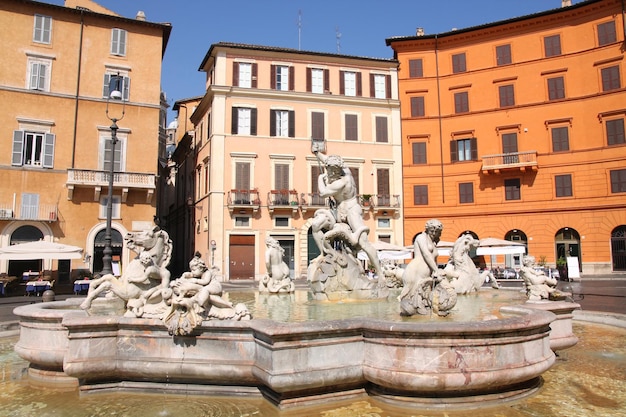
[(387, 251), (40, 250), (493, 246)]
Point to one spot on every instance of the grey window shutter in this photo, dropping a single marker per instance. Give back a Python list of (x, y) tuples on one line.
[(48, 151), (18, 148)]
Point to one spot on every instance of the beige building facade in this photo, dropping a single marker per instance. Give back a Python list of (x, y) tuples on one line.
[(255, 175), (56, 67)]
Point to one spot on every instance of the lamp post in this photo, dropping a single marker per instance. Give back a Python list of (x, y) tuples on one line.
[(115, 93)]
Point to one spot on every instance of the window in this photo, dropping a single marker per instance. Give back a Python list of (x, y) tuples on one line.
[(615, 132), (610, 78), (242, 182), (106, 145), (417, 106), (560, 139), (282, 78), (242, 221), (606, 33), (116, 205), (461, 102), (383, 189), (420, 195), (29, 207), (350, 84), (39, 74), (507, 95), (382, 134), (317, 80), (245, 74), (552, 45), (458, 63), (509, 148), (33, 149), (281, 221), (464, 150), (563, 185), (281, 183), (317, 126), (556, 88), (466, 192), (316, 199), (419, 153), (380, 86), (118, 42), (416, 68), (384, 223), (352, 127), (282, 123), (512, 189), (244, 121), (618, 181), (42, 29), (503, 55), (125, 88)]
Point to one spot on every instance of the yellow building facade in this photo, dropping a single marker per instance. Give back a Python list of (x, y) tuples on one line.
[(255, 173), (515, 130), (56, 65)]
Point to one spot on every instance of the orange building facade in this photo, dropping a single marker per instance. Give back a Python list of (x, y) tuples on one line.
[(256, 176), (56, 134), (515, 130)]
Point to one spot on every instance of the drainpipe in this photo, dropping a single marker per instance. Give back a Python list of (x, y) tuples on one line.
[(80, 55), (443, 188)]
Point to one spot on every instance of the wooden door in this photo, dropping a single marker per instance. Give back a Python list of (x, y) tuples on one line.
[(241, 257)]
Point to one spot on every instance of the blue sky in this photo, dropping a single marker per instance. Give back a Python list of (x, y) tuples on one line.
[(363, 24)]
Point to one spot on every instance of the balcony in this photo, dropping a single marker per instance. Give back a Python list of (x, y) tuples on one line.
[(97, 179), (312, 201), (283, 200), (243, 201), (385, 204), (41, 212), (509, 161)]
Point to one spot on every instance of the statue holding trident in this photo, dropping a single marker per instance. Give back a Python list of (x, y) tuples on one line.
[(339, 230)]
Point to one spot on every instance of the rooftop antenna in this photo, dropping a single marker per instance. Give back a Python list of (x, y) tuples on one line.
[(338, 37), (299, 28)]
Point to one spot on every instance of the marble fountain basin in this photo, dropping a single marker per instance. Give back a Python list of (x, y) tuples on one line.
[(300, 363)]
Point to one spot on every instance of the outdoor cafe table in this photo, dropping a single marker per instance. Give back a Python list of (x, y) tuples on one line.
[(36, 287), (81, 285)]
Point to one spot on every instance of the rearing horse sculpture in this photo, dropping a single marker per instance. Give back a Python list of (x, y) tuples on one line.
[(461, 271), (144, 276)]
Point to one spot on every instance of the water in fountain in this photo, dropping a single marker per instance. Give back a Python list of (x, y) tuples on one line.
[(588, 379)]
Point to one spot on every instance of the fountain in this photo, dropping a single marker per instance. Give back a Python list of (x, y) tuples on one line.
[(184, 336)]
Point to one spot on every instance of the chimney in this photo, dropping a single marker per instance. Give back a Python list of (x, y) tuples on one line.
[(566, 3), (419, 32), (140, 15)]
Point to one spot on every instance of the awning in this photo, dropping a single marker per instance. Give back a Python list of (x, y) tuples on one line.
[(388, 251), (40, 250)]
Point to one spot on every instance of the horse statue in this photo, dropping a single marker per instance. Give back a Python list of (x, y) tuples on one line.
[(143, 278), (461, 271)]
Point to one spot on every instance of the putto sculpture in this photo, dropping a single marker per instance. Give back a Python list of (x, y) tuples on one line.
[(426, 289), (538, 285), (340, 233)]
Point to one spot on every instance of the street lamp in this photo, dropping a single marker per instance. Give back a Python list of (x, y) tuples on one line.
[(115, 93)]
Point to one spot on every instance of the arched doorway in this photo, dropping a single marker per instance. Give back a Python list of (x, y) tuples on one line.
[(117, 243), (516, 236), (567, 241), (618, 248), (25, 234)]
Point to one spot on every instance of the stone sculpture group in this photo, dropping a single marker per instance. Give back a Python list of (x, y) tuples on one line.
[(146, 290)]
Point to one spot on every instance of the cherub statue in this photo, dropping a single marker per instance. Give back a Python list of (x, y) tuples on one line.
[(538, 285)]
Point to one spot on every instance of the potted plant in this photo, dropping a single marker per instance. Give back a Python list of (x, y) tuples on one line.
[(561, 266), (366, 199)]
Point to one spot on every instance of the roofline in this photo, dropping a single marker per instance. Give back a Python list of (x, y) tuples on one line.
[(165, 27), (250, 47), (391, 40), (179, 103)]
